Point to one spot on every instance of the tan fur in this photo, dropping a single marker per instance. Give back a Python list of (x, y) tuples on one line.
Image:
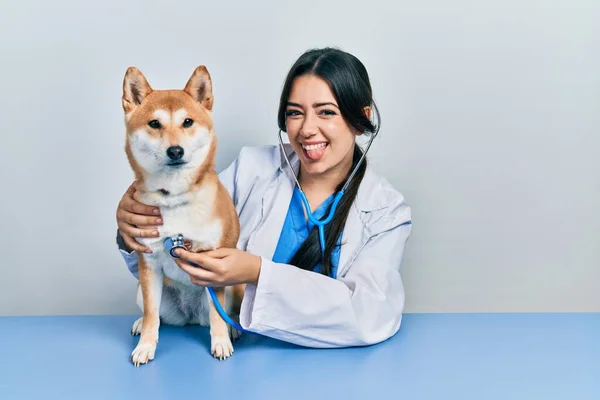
[(223, 210), (193, 189), (151, 315)]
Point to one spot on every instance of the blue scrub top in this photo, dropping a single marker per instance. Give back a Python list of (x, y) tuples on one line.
[(296, 229)]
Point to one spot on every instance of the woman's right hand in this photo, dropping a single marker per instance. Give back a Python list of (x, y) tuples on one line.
[(135, 219)]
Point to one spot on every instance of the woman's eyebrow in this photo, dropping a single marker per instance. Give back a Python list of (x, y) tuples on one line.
[(325, 104), (289, 103)]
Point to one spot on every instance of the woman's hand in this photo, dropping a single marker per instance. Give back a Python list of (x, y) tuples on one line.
[(220, 267), (136, 219)]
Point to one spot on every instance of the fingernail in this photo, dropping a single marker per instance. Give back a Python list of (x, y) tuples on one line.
[(155, 233), (156, 211), (159, 221)]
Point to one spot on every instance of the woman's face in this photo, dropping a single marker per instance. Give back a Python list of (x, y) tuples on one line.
[(316, 130)]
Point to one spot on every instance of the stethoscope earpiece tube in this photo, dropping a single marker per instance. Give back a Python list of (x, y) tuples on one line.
[(336, 200)]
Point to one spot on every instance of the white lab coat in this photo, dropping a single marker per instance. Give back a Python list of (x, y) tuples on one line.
[(364, 305)]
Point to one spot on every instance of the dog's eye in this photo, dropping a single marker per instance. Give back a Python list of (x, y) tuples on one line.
[(154, 124), (187, 123)]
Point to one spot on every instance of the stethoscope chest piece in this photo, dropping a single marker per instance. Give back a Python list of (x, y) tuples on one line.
[(175, 242)]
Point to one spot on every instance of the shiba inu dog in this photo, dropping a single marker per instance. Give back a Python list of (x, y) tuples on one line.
[(170, 145)]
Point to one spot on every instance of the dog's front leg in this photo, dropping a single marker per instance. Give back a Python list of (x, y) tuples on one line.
[(151, 284), (237, 294), (220, 346)]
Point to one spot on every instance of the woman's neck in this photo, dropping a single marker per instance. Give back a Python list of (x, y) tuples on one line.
[(326, 182), (319, 187)]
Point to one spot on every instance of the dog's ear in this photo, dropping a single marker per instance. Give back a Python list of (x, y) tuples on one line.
[(135, 89), (199, 86)]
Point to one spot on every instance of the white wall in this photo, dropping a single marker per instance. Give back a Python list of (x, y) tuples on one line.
[(490, 128)]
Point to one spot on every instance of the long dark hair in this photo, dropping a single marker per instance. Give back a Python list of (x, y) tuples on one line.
[(349, 82)]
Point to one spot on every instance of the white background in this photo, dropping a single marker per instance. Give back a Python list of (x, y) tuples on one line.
[(490, 112)]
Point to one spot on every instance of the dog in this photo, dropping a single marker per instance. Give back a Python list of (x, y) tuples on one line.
[(170, 145)]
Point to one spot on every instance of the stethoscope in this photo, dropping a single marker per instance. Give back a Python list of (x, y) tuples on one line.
[(172, 243), (321, 223)]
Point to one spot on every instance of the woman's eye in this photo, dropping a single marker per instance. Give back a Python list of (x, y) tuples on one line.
[(187, 123), (328, 112), (291, 113), (154, 124)]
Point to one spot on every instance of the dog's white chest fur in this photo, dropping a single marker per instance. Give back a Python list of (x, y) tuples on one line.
[(190, 214)]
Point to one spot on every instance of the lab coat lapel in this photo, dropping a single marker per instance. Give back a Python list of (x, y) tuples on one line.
[(356, 234), (275, 205), (353, 238)]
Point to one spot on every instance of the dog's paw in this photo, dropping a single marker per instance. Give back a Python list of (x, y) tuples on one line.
[(196, 247), (143, 353), (221, 347), (136, 329)]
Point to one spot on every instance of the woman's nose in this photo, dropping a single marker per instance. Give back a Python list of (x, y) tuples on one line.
[(307, 133), (309, 127)]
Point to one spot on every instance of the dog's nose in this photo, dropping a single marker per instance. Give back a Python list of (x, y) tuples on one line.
[(175, 152)]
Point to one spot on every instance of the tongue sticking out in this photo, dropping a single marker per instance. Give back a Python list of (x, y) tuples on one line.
[(315, 152)]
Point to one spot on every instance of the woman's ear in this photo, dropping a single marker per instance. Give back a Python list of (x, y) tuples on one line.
[(368, 112)]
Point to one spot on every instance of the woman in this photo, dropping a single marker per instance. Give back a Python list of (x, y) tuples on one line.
[(353, 295)]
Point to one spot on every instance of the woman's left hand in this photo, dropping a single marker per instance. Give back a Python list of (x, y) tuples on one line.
[(220, 267)]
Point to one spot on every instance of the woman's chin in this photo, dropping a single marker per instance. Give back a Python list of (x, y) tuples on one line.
[(316, 168)]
